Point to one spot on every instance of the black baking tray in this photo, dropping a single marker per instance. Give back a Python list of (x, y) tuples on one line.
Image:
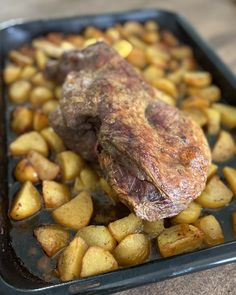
[(15, 278)]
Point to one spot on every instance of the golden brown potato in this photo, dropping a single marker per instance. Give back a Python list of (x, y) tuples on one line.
[(211, 93), (228, 114), (133, 249), (181, 51), (108, 190), (215, 195), (150, 37), (197, 115), (179, 239), (153, 228), (45, 169), (211, 228), (41, 59), (87, 180), (22, 120), (71, 164), (151, 73), (39, 95), (24, 171), (213, 121), (166, 98), (39, 80), (189, 215), (157, 57), (52, 238), (176, 76), (137, 58), (151, 25), (20, 59), (224, 147), (123, 47), (53, 140), (234, 222), (57, 92), (230, 175), (11, 73), (55, 194), (26, 202), (195, 102), (197, 79), (19, 91), (97, 260), (50, 49), (97, 235), (76, 213), (125, 226), (40, 120), (212, 171), (70, 261), (27, 142), (166, 86), (28, 72), (50, 106)]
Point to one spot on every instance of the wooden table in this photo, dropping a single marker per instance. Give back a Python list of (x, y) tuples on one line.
[(215, 20)]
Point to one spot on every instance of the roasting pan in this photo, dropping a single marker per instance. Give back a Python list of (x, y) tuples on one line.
[(15, 278)]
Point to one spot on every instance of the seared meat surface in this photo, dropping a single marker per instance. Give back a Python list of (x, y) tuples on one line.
[(154, 157)]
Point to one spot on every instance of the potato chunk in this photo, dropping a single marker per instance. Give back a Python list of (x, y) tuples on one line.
[(133, 249), (230, 175), (234, 222), (40, 120), (26, 202), (189, 215), (215, 195), (211, 228), (19, 91), (212, 171), (55, 194), (97, 260), (153, 228), (71, 164), (52, 238), (125, 226), (27, 142), (11, 73), (45, 169), (50, 106), (87, 180), (196, 115), (76, 213), (211, 93), (25, 171), (70, 261), (224, 147), (97, 235), (53, 139), (22, 120), (179, 239), (213, 120), (39, 95), (197, 79), (228, 114)]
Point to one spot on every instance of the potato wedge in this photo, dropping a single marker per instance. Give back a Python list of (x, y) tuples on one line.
[(153, 229), (215, 195), (179, 239), (45, 169), (213, 121), (50, 106), (40, 120), (195, 102), (234, 222), (22, 120), (76, 213), (97, 235), (26, 203), (39, 95), (197, 115), (87, 180), (39, 80), (97, 260), (137, 58), (212, 171), (211, 93), (55, 194), (11, 73), (125, 226), (133, 249), (189, 215), (52, 238), (20, 59), (41, 59), (53, 140), (197, 78), (213, 234), (70, 261), (24, 171), (28, 72), (27, 142), (71, 164), (166, 86), (230, 175), (151, 73), (224, 148), (228, 114), (19, 91), (123, 47)]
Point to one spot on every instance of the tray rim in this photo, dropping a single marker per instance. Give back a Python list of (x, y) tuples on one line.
[(209, 255)]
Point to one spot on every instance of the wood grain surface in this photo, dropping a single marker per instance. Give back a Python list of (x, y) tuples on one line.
[(215, 20)]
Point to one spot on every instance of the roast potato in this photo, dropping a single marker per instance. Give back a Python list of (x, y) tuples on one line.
[(97, 260), (133, 249), (53, 140), (11, 73), (108, 190), (213, 121), (26, 202), (215, 195), (224, 148), (22, 120), (76, 213), (50, 106), (19, 91), (28, 72), (40, 120), (125, 226), (189, 215), (52, 238), (25, 171), (39, 95), (212, 171), (234, 222), (87, 180), (230, 175), (179, 239), (228, 114), (153, 228), (211, 93), (197, 79)]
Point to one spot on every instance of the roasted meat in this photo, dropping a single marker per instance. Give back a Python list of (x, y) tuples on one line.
[(153, 156)]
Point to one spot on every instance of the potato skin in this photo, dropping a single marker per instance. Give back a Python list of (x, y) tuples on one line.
[(133, 249), (189, 215)]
